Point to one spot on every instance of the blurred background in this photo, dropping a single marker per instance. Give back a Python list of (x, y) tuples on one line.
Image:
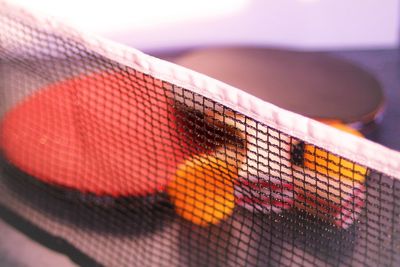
[(160, 25)]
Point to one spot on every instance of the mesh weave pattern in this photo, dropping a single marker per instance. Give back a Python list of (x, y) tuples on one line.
[(135, 171)]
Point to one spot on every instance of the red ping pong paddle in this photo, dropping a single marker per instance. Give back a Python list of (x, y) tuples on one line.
[(108, 133)]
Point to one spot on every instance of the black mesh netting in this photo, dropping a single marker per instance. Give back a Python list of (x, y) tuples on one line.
[(130, 170)]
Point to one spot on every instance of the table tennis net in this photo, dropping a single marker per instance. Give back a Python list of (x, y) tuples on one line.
[(114, 166)]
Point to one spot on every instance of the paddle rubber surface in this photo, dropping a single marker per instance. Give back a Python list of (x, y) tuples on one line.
[(100, 133)]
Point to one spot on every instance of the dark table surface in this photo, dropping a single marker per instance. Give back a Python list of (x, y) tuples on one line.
[(18, 250)]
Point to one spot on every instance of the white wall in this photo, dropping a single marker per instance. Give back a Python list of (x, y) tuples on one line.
[(155, 24)]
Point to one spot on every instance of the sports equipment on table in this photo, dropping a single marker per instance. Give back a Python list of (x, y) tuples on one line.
[(91, 132), (193, 171), (319, 86), (313, 84), (320, 183)]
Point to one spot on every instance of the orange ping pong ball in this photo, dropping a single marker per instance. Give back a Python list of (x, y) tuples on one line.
[(202, 189), (330, 164)]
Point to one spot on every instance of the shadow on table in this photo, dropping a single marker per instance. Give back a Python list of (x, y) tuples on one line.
[(266, 240), (102, 214)]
